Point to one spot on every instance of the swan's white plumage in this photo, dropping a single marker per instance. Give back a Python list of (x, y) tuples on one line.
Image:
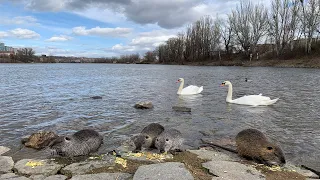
[(189, 90), (252, 100)]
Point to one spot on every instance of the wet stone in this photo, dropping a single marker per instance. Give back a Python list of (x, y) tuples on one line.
[(144, 105), (181, 108), (168, 171)]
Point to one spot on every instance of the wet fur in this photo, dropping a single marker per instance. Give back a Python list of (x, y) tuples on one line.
[(80, 143), (169, 141), (146, 139), (253, 144)]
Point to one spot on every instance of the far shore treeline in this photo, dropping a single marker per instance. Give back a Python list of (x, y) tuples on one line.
[(289, 29)]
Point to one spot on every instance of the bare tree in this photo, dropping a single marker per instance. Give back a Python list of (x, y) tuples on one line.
[(283, 22), (226, 35), (249, 24), (25, 54), (310, 21)]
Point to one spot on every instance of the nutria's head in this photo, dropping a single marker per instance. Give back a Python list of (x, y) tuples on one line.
[(163, 144), (40, 139), (146, 140), (271, 154)]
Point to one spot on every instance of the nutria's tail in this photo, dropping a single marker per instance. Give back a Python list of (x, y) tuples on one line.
[(218, 146)]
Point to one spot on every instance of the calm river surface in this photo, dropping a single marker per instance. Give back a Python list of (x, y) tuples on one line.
[(56, 97)]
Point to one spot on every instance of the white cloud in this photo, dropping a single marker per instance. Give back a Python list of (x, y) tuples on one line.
[(59, 38), (145, 41), (98, 31), (3, 34), (24, 33), (19, 20)]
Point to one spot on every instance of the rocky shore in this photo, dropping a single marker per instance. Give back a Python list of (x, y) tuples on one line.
[(202, 164)]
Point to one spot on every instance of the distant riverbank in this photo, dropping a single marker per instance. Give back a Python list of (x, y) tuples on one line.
[(291, 63)]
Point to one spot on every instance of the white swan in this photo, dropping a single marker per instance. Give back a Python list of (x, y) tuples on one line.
[(188, 90), (252, 100)]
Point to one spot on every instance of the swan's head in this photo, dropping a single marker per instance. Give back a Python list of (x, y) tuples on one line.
[(225, 83), (180, 80)]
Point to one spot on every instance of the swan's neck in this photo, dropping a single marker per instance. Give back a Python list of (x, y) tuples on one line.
[(229, 95), (180, 87)]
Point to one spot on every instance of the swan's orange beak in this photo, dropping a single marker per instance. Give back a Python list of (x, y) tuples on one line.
[(221, 85), (178, 81)]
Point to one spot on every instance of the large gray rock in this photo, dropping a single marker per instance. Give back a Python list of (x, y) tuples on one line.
[(4, 149), (211, 155), (103, 176), (88, 165), (228, 170), (12, 176), (43, 167), (6, 164), (54, 177), (167, 171)]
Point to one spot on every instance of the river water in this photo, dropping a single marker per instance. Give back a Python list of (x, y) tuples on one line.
[(56, 97)]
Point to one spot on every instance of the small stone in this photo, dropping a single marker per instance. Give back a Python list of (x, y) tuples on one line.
[(168, 171), (181, 109), (6, 164), (103, 176), (144, 105), (4, 149)]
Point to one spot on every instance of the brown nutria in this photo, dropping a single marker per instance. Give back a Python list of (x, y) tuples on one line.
[(169, 141), (39, 139), (147, 137), (80, 143), (253, 144)]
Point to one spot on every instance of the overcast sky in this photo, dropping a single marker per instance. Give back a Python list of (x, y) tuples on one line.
[(100, 28)]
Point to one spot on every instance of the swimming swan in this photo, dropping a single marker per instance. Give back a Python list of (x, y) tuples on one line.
[(251, 100), (188, 90)]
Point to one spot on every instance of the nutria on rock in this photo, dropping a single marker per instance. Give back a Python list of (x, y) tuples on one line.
[(253, 144), (80, 143), (169, 141), (147, 137)]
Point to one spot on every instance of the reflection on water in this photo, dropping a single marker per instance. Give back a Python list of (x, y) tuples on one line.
[(56, 97)]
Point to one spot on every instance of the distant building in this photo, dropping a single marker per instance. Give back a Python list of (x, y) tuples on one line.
[(6, 50), (2, 47)]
